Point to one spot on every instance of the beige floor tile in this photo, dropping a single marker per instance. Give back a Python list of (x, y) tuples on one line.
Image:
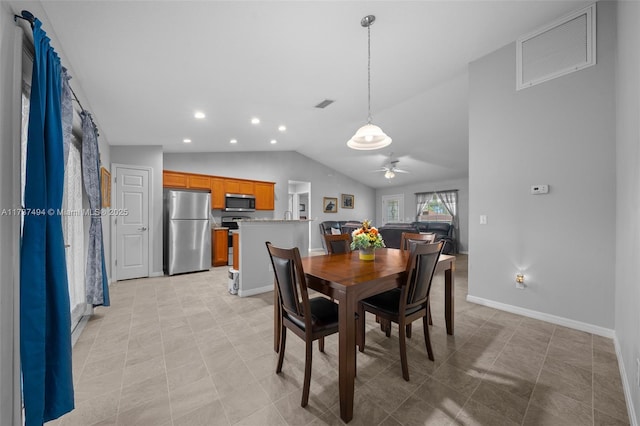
[(182, 351)]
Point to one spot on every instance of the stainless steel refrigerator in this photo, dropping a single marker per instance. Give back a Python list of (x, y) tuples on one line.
[(187, 232)]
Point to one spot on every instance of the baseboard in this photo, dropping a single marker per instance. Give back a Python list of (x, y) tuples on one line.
[(254, 291), (566, 322), (626, 386)]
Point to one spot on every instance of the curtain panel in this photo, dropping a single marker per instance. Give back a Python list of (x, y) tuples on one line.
[(45, 334), (97, 286)]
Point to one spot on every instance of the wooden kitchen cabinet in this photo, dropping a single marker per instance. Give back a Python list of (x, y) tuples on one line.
[(174, 179), (220, 247), (199, 182), (264, 195), (219, 186), (217, 193), (236, 251)]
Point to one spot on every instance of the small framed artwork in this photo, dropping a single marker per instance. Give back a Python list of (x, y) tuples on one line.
[(105, 187), (330, 205), (347, 201), (302, 207)]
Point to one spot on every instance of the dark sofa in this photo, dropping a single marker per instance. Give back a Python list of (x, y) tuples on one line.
[(392, 232)]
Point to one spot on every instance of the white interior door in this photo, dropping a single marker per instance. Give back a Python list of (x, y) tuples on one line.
[(392, 208), (132, 227)]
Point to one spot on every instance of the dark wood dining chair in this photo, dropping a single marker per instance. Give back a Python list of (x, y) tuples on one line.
[(408, 303), (310, 319), (406, 237), (338, 243)]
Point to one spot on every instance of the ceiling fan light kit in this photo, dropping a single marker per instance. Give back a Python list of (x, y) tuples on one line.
[(369, 136)]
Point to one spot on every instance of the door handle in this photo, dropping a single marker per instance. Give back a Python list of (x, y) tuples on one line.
[(144, 228)]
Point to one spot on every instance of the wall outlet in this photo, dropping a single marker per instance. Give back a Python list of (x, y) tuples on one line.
[(539, 189), (483, 219)]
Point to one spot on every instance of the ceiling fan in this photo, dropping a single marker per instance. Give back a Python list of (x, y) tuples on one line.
[(390, 168)]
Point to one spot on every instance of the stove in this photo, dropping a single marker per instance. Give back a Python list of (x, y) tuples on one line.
[(231, 222)]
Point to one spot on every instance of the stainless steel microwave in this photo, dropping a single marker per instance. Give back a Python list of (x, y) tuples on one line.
[(239, 203)]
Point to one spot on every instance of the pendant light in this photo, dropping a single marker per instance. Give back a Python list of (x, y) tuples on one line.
[(369, 136)]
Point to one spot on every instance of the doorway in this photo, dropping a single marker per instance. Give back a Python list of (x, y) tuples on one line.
[(131, 222), (299, 203)]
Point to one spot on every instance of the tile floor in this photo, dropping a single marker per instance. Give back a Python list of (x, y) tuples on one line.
[(181, 351)]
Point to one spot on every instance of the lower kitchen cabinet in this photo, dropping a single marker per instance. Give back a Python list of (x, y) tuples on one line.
[(236, 251), (220, 246)]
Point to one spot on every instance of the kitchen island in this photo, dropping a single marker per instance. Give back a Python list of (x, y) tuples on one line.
[(256, 272)]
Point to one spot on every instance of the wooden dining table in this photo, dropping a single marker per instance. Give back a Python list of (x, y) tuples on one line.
[(347, 279)]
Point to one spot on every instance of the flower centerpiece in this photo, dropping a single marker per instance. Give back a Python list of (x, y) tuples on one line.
[(366, 239)]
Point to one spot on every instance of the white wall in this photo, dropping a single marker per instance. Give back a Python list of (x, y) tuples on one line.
[(147, 156), (560, 133), (281, 167), (627, 268), (409, 191), (9, 225)]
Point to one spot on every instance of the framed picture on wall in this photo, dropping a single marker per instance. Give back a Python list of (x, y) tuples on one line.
[(347, 201), (105, 187), (330, 205)]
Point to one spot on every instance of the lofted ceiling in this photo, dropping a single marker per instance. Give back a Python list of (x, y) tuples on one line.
[(144, 67)]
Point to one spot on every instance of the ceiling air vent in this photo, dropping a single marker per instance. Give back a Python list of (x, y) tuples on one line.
[(324, 103), (565, 46)]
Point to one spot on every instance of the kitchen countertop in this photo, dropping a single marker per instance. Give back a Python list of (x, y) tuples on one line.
[(219, 228)]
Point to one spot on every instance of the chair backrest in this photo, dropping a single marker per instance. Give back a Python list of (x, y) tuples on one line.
[(420, 269), (408, 236), (338, 244), (290, 280)]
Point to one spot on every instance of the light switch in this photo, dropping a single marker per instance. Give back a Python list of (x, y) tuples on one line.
[(483, 219)]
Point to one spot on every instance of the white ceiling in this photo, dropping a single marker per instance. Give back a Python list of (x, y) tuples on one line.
[(143, 67)]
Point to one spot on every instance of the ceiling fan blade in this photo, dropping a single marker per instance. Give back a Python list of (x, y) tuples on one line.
[(401, 171)]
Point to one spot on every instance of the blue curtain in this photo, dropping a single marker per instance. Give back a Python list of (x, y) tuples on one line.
[(45, 320)]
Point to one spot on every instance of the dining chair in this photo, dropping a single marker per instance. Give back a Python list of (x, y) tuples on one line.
[(406, 237), (408, 303), (338, 244), (310, 319)]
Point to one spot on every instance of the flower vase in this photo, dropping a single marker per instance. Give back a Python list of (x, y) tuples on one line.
[(367, 253)]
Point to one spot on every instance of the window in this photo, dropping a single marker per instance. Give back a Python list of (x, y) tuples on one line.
[(432, 209)]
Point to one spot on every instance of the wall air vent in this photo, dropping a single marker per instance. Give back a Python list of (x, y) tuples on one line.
[(324, 103), (565, 46)]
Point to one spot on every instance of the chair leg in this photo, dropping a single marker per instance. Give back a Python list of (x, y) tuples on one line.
[(321, 344), (427, 340), (360, 328), (387, 328), (429, 312), (403, 351), (408, 327), (307, 373), (283, 342)]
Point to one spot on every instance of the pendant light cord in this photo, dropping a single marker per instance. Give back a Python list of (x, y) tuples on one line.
[(369, 73)]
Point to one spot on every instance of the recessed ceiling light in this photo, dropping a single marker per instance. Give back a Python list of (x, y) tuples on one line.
[(199, 114), (255, 120), (186, 140), (233, 141), (273, 141), (282, 127)]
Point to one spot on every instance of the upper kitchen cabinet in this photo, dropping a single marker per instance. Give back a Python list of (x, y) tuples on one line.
[(199, 182), (264, 195), (217, 193), (174, 179), (219, 186), (237, 186)]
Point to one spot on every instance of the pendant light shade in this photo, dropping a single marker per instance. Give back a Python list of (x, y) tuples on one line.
[(369, 136)]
